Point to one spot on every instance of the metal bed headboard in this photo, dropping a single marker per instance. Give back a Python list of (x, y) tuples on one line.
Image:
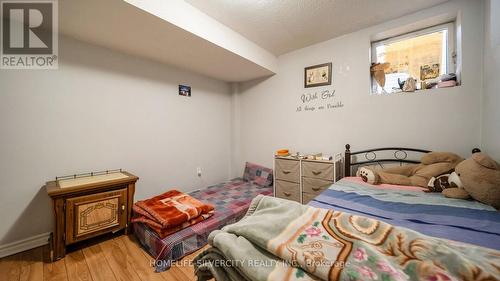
[(400, 156)]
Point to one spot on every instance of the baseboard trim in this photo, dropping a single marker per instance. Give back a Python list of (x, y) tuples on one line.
[(24, 244)]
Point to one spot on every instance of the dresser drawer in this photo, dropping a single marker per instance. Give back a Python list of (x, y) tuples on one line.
[(318, 170), (315, 186), (288, 170), (307, 197), (288, 190)]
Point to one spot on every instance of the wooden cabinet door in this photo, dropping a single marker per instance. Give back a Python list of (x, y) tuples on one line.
[(91, 215)]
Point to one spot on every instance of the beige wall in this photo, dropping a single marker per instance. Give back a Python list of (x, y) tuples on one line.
[(104, 110), (491, 98), (439, 119)]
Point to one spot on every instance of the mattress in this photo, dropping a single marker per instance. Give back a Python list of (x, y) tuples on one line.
[(428, 213), (231, 200)]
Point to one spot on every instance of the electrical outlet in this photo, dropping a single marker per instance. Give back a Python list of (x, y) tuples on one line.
[(198, 171)]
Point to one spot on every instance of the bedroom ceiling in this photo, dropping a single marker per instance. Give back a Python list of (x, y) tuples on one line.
[(152, 29), (283, 26), (229, 40)]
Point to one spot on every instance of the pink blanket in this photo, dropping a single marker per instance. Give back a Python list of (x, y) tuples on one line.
[(387, 186)]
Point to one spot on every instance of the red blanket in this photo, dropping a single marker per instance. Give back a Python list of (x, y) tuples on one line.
[(171, 211), (164, 232)]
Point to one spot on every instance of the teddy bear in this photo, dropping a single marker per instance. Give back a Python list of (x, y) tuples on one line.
[(477, 177), (432, 165)]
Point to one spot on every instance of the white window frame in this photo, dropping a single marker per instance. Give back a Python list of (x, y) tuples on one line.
[(451, 52)]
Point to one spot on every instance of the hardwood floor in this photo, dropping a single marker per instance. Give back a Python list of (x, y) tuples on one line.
[(117, 258)]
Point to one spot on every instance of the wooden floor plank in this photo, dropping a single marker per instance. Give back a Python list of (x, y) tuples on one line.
[(53, 271), (118, 261), (97, 263), (139, 262), (32, 265), (174, 273), (186, 265), (10, 268), (76, 266), (121, 258), (181, 270)]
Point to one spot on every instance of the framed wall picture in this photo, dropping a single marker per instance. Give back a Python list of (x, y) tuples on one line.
[(318, 75), (185, 90)]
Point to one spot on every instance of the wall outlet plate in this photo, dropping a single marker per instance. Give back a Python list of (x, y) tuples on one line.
[(198, 171)]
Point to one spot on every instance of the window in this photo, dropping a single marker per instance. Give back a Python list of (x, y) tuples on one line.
[(422, 55)]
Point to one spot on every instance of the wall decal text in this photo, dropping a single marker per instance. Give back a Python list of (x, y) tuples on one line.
[(320, 100)]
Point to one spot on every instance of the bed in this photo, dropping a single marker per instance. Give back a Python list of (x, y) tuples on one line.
[(231, 200), (407, 233), (429, 213)]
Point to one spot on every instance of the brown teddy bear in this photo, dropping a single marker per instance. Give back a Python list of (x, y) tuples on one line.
[(433, 165), (477, 177)]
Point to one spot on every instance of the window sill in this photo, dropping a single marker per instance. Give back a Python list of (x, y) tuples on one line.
[(394, 92)]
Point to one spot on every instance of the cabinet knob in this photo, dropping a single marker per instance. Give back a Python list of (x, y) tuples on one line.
[(315, 188), (287, 193), (316, 172), (286, 172), (123, 207)]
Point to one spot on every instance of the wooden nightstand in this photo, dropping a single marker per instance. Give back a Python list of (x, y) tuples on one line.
[(89, 205)]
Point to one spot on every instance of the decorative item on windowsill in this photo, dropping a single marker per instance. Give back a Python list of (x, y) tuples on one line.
[(378, 73), (409, 85), (443, 81), (401, 83), (429, 71), (447, 80)]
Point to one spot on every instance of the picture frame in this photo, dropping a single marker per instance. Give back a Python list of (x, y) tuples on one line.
[(429, 71), (184, 90), (318, 75)]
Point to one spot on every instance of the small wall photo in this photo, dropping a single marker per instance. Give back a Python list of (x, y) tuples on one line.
[(184, 90)]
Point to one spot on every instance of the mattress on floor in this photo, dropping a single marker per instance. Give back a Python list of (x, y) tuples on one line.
[(231, 200)]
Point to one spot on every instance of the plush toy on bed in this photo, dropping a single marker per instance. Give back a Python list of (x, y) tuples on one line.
[(432, 166), (477, 177)]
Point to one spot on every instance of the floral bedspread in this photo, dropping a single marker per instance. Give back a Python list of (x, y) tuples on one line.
[(283, 240)]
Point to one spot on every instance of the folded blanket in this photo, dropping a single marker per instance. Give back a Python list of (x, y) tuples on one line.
[(283, 240), (171, 211), (164, 232)]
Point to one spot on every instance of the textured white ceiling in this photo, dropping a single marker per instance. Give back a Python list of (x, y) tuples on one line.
[(281, 26)]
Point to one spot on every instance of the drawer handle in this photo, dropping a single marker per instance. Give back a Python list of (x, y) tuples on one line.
[(287, 193), (316, 188), (316, 172), (286, 172)]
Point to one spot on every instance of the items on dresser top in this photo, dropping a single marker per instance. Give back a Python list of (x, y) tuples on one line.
[(171, 212), (88, 205), (282, 152), (301, 180), (285, 153)]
